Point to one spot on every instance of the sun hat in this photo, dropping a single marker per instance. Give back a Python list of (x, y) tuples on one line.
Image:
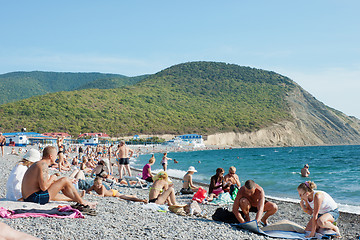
[(32, 155), (191, 169)]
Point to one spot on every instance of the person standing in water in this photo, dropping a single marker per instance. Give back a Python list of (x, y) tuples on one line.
[(305, 171), (164, 161)]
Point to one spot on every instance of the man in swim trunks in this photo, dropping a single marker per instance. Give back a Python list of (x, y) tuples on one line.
[(305, 171), (2, 143), (39, 187), (122, 158), (251, 198)]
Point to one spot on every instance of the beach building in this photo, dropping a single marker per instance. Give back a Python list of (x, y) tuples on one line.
[(189, 140), (93, 139), (22, 139)]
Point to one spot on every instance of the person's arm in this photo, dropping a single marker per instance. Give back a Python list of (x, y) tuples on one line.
[(191, 185), (102, 191), (305, 207), (44, 180), (236, 207), (318, 198), (238, 183), (131, 152), (90, 189), (260, 206)]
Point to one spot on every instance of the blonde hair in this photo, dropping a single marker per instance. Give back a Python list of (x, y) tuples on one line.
[(162, 175), (25, 162), (307, 186)]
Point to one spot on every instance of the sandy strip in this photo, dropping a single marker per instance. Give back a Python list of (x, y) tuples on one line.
[(119, 219)]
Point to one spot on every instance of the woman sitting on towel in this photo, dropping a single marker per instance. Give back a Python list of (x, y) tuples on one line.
[(162, 191), (216, 184), (320, 205), (16, 176)]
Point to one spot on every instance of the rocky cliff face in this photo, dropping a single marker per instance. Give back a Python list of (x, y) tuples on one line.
[(313, 123)]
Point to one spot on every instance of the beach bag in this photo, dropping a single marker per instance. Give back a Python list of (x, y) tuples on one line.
[(200, 195), (224, 215), (178, 209)]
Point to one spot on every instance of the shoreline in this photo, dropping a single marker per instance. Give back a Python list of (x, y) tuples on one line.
[(120, 219), (292, 201)]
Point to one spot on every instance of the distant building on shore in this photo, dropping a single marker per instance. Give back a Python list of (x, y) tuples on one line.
[(187, 140)]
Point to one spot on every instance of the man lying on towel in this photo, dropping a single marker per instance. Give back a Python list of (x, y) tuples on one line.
[(251, 198), (39, 187)]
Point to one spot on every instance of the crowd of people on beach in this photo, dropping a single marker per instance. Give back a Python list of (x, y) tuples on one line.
[(30, 181)]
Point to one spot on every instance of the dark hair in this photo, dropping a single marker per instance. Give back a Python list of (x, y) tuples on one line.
[(250, 184)]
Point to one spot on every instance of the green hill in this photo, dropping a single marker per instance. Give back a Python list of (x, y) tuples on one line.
[(110, 83), (21, 85), (196, 97)]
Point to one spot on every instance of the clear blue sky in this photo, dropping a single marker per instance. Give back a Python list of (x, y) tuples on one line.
[(315, 43)]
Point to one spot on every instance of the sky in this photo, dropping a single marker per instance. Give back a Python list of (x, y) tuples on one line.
[(315, 43)]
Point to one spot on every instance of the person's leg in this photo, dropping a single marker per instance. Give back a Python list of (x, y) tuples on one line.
[(131, 198), (74, 173), (169, 195), (65, 185), (269, 209), (245, 208), (127, 166), (8, 233), (326, 221), (121, 169)]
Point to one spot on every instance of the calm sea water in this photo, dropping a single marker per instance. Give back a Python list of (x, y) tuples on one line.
[(335, 169)]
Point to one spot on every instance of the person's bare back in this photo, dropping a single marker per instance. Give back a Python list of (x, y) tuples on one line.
[(31, 180)]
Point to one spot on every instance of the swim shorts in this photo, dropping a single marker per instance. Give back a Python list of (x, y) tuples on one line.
[(254, 209), (123, 161), (114, 192), (153, 200), (40, 197), (1, 144), (334, 213)]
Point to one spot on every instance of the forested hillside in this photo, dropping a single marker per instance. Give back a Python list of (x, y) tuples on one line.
[(21, 85), (110, 83), (196, 97)]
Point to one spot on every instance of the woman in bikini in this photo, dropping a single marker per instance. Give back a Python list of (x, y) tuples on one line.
[(188, 186), (216, 184), (100, 189), (162, 191)]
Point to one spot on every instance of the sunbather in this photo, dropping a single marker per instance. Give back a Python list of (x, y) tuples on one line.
[(100, 189), (188, 186), (13, 185), (162, 191)]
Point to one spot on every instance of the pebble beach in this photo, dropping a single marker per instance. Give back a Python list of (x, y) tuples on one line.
[(120, 219)]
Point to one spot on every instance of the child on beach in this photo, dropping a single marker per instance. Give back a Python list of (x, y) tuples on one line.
[(100, 189), (320, 205), (164, 161)]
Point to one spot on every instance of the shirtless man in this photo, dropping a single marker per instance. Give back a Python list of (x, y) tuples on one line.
[(2, 143), (122, 158), (39, 187), (305, 171), (231, 179), (251, 198)]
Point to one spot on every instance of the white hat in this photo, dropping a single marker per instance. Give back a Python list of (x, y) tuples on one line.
[(191, 169), (32, 155)]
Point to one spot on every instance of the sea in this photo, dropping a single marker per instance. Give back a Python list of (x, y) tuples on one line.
[(335, 169)]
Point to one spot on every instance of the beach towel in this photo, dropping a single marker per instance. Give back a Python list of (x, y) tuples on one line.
[(60, 212), (284, 229), (222, 199), (156, 207)]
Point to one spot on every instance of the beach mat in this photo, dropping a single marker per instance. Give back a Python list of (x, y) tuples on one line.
[(283, 229), (12, 205)]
